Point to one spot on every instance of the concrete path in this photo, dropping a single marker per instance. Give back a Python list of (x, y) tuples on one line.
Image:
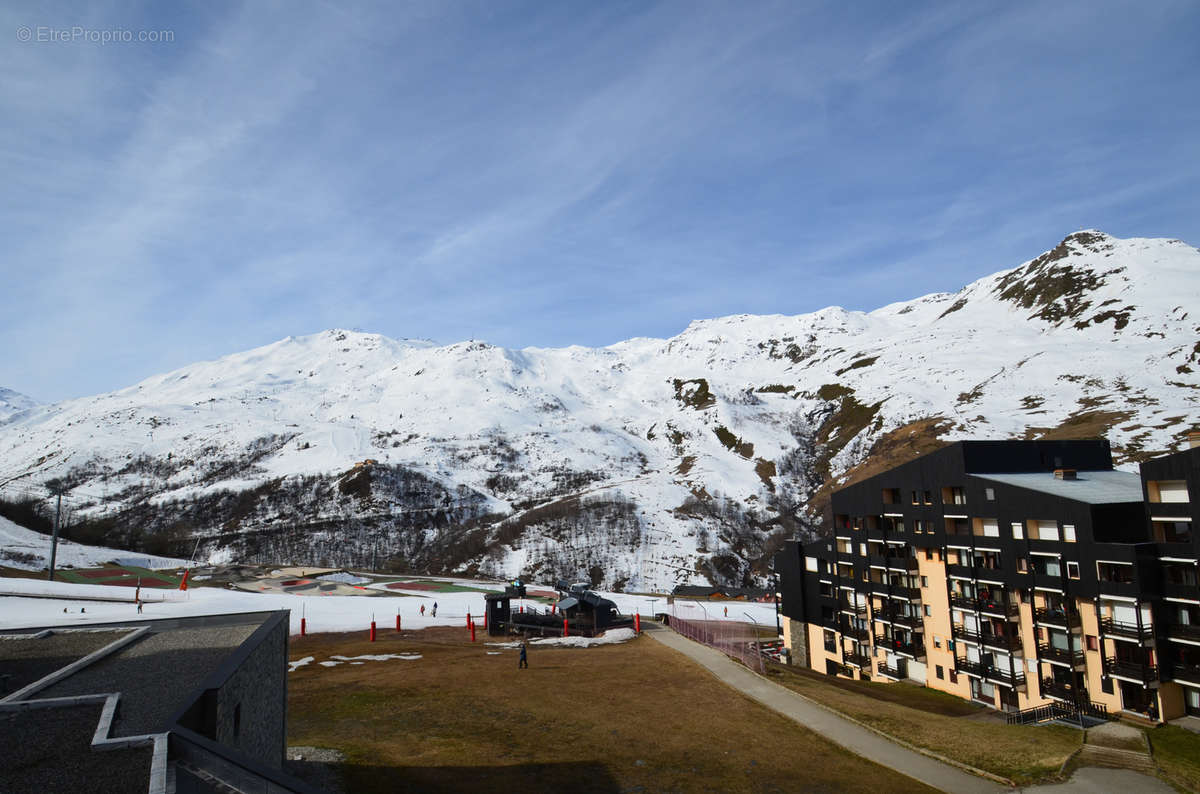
[(1094, 780), (838, 730)]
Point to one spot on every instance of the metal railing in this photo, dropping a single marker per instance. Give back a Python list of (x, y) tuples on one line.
[(1068, 712), (735, 640), (1056, 617), (1139, 671), (1047, 651), (1132, 630)]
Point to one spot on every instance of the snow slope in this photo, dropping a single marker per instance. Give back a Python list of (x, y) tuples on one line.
[(12, 403), (639, 465), (30, 551)]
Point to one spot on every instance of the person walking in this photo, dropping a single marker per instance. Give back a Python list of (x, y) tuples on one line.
[(524, 660), (433, 612), (422, 610)]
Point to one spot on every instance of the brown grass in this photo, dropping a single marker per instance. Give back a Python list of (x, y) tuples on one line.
[(631, 717), (1177, 751), (942, 723)]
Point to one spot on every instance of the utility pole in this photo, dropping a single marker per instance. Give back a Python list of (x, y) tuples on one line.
[(54, 538)]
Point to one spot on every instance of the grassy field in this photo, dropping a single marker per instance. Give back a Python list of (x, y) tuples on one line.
[(1177, 751), (629, 717), (942, 723)]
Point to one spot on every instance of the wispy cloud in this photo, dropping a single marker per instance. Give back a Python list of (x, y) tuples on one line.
[(551, 174)]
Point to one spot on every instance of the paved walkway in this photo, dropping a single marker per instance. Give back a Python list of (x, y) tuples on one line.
[(841, 731)]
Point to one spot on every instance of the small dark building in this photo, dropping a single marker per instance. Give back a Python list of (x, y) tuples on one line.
[(192, 705)]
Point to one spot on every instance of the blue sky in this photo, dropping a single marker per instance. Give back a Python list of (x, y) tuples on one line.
[(555, 173)]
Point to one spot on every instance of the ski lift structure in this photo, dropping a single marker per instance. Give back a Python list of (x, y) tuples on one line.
[(578, 611)]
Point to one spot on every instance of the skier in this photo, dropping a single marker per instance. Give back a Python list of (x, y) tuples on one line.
[(433, 612), (422, 610), (523, 661)]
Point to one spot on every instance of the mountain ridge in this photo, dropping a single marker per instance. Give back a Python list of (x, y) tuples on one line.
[(651, 461)]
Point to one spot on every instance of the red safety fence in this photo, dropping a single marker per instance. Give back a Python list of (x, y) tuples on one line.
[(736, 640)]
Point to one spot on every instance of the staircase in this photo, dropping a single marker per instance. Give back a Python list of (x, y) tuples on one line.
[(1097, 755)]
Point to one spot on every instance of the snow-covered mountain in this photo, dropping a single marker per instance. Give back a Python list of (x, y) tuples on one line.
[(13, 403), (639, 465)]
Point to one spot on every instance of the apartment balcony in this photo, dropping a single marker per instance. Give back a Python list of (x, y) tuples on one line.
[(898, 672), (990, 673), (915, 622), (862, 635), (991, 606), (859, 660), (1008, 643), (1050, 653), (853, 609), (907, 593), (1130, 631), (906, 563), (1183, 631), (1137, 671), (1060, 691), (1188, 673), (914, 649), (963, 633), (1056, 617)]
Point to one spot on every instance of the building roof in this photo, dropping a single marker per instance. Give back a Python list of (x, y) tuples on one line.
[(1092, 487), (86, 706)]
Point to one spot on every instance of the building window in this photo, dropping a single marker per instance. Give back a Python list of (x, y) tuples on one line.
[(1022, 565), (928, 497), (1018, 530), (941, 672), (862, 550), (1106, 685), (810, 563), (937, 641), (1092, 643), (928, 610), (1167, 491), (1072, 570), (954, 676), (989, 494), (924, 581), (916, 499), (1069, 533), (891, 496)]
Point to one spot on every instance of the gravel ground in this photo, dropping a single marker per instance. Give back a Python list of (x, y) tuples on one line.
[(48, 751), (155, 673), (25, 659)]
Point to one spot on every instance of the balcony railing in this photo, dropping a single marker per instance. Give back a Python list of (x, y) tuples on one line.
[(991, 605), (1009, 643), (859, 660), (914, 649), (1115, 628), (996, 674), (1185, 631), (1056, 617), (1182, 671), (1050, 652), (857, 609), (963, 633), (862, 635), (1138, 671), (1062, 691), (897, 672)]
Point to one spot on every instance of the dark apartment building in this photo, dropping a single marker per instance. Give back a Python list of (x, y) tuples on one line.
[(1014, 573)]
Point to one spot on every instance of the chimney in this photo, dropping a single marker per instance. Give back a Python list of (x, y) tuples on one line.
[(1064, 474), (1193, 439)]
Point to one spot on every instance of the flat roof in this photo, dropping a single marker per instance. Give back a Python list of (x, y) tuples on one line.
[(1092, 487)]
